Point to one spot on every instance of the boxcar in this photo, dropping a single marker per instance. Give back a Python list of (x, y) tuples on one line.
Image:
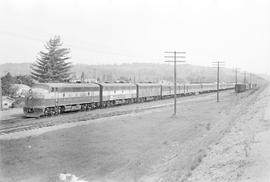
[(240, 87)]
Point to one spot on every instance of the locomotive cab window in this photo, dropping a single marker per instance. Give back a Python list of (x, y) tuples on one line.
[(54, 89)]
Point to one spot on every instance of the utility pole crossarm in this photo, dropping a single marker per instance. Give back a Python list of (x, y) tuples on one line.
[(175, 61), (175, 57), (171, 52)]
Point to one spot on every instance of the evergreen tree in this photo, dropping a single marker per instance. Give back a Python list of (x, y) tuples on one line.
[(51, 66), (6, 85), (24, 79), (82, 77)]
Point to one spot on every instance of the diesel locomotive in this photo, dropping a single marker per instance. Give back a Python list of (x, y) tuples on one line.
[(45, 99)]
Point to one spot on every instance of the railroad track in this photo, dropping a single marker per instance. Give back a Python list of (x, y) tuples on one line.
[(25, 124), (45, 122)]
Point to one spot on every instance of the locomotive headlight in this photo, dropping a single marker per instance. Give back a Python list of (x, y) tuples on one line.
[(29, 95)]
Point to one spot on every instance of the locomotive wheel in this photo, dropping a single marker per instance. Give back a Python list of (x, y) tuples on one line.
[(56, 110), (53, 111), (83, 107), (62, 109), (46, 112)]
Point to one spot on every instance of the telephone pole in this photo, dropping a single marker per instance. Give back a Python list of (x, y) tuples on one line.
[(218, 67), (1, 94), (236, 75), (250, 84), (174, 56), (245, 77)]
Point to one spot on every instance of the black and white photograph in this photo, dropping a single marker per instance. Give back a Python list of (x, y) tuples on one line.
[(135, 91)]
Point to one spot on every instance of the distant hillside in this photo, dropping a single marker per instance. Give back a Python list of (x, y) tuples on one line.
[(134, 72), (15, 68)]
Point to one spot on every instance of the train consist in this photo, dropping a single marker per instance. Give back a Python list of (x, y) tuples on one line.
[(47, 99)]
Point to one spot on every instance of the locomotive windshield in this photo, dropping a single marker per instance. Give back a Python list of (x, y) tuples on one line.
[(38, 91), (41, 86)]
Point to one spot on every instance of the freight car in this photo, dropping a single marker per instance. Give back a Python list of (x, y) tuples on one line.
[(55, 98), (241, 87)]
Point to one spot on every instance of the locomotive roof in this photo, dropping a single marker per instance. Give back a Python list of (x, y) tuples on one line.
[(148, 84), (66, 85), (117, 84), (178, 84)]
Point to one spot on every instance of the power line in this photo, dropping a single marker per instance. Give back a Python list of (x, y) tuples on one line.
[(79, 47)]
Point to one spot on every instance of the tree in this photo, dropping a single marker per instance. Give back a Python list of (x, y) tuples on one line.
[(82, 77), (51, 66), (24, 79), (6, 85)]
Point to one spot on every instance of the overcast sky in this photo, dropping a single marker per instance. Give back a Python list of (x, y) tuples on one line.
[(123, 31)]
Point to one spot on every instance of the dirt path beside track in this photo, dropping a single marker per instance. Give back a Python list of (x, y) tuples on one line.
[(146, 146), (243, 153)]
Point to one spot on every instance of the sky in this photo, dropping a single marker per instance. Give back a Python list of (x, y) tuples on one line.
[(125, 31)]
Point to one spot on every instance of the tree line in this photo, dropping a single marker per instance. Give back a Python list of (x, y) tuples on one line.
[(8, 80)]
